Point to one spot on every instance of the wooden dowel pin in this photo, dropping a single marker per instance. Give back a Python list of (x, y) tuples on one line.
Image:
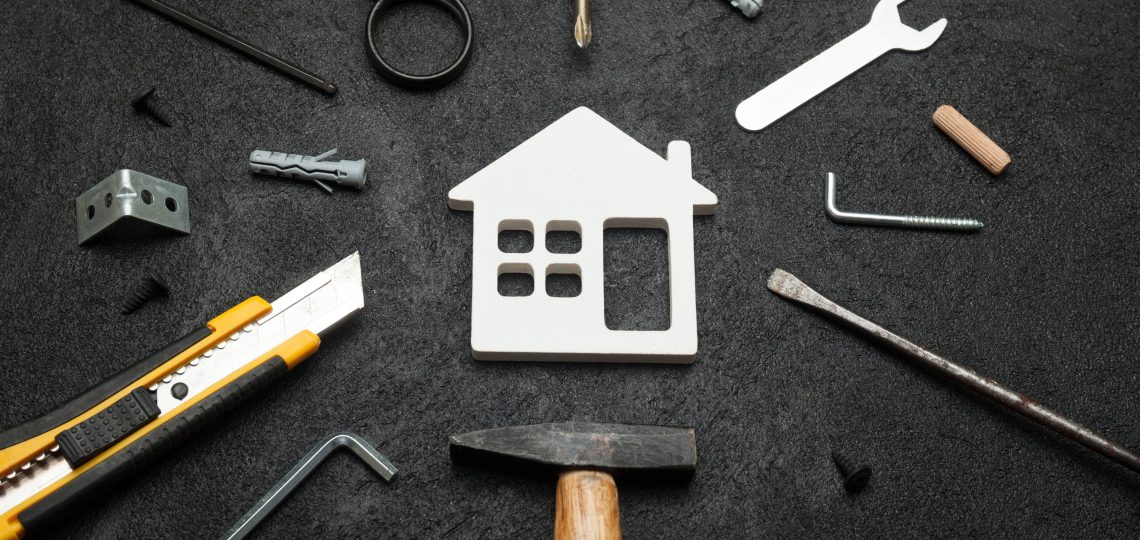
[(971, 139)]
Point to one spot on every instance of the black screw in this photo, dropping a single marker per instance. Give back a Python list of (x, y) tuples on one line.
[(854, 478), (153, 285), (148, 103)]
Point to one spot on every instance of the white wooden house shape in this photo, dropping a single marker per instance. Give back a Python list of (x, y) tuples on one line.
[(579, 174)]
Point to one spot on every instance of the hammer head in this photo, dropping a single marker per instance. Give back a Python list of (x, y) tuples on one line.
[(645, 452)]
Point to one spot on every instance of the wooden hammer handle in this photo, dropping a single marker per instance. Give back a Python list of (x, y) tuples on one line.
[(971, 139), (586, 507)]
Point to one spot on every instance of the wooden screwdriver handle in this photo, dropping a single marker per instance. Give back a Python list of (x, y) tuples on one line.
[(971, 139), (586, 507)]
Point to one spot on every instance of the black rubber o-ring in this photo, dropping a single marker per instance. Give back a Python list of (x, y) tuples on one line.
[(459, 11)]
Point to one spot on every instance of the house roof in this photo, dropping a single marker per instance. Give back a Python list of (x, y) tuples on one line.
[(581, 157)]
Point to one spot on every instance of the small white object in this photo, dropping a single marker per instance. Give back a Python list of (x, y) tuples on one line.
[(581, 173), (883, 34)]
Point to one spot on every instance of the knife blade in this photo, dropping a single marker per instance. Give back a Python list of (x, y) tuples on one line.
[(49, 464)]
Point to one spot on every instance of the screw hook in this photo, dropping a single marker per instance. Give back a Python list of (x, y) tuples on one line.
[(915, 222)]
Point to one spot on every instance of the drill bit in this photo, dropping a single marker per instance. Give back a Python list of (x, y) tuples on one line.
[(790, 287), (239, 45), (582, 31)]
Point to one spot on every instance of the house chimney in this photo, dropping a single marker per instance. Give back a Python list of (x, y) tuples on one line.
[(680, 157)]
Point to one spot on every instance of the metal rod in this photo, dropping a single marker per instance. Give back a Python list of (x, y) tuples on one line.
[(790, 287), (240, 45), (916, 222), (301, 471)]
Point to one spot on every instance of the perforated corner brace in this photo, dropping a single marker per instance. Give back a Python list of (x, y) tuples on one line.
[(132, 194)]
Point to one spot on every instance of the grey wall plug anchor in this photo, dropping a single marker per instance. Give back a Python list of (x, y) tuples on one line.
[(315, 168)]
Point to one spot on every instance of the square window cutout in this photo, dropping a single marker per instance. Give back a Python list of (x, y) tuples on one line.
[(563, 281), (516, 280), (516, 236), (563, 237)]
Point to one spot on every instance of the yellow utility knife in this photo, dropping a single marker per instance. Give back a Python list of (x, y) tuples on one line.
[(93, 441)]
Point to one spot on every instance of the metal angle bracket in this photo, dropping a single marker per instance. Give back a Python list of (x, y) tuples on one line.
[(132, 194)]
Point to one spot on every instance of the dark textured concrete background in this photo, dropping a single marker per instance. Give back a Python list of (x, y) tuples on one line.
[(1044, 299)]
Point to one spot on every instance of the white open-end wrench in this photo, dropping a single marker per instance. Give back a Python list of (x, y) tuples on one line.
[(883, 34)]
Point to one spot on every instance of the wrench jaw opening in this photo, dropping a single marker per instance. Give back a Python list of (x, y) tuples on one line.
[(913, 40), (886, 19), (887, 13), (883, 34)]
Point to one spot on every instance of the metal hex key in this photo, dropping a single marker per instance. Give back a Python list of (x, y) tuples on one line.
[(301, 472), (790, 287)]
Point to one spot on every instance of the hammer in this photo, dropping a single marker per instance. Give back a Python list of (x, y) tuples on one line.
[(586, 457)]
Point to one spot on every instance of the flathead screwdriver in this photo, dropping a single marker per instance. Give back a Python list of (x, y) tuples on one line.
[(790, 287)]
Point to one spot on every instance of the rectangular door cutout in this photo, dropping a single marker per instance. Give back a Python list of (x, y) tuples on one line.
[(636, 278)]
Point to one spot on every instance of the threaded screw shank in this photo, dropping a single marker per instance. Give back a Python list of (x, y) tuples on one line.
[(152, 286), (954, 224)]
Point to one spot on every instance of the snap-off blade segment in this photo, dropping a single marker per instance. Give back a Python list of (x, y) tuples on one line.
[(317, 305)]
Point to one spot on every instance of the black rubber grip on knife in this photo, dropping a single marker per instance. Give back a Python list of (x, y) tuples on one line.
[(89, 438), (105, 389), (53, 508)]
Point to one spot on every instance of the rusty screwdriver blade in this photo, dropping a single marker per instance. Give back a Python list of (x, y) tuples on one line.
[(239, 45), (790, 287)]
